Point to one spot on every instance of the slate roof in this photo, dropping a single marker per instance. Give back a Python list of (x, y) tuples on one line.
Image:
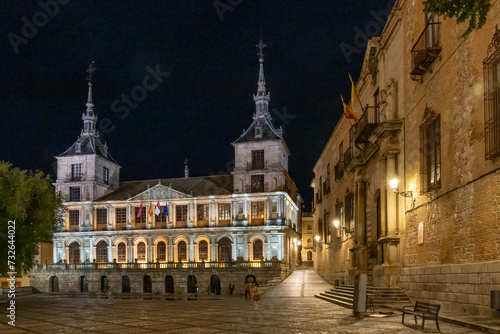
[(268, 131), (89, 145), (199, 186)]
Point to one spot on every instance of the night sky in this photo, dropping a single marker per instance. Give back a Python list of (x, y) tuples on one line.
[(204, 102)]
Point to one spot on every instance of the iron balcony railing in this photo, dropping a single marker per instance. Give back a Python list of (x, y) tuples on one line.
[(339, 170), (367, 123), (426, 49), (348, 156), (157, 265)]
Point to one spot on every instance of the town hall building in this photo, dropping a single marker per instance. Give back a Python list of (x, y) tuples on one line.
[(165, 235)]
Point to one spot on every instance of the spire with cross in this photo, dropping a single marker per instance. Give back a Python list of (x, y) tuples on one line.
[(262, 97), (90, 70), (261, 47), (89, 117)]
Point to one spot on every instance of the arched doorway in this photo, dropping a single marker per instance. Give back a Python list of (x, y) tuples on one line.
[(161, 251), (215, 285), (191, 282), (74, 252), (84, 284), (125, 284), (258, 247), (309, 256), (104, 284), (141, 251), (169, 284), (122, 252), (182, 251), (101, 252), (203, 250), (225, 249), (147, 284), (54, 284)]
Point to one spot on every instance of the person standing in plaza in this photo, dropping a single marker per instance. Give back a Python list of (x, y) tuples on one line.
[(247, 289), (231, 288), (254, 294), (196, 290), (110, 295)]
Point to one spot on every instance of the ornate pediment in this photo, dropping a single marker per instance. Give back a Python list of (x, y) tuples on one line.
[(159, 192)]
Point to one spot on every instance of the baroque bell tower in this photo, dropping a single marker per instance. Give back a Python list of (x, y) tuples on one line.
[(86, 171), (261, 154)]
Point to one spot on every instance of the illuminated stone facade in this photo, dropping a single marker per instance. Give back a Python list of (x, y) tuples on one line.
[(430, 120), (239, 221)]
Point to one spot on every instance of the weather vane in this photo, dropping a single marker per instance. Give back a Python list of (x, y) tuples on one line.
[(90, 70), (261, 47)]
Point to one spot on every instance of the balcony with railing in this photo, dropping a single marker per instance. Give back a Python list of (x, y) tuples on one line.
[(318, 198), (326, 187), (366, 124), (348, 156), (339, 170), (156, 265), (425, 50)]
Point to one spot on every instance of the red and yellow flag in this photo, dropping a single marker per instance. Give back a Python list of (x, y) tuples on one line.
[(349, 112), (355, 100), (150, 212)]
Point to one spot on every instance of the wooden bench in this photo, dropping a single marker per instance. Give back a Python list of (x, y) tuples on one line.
[(423, 310)]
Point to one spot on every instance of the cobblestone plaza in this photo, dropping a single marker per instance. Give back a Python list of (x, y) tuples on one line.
[(287, 308)]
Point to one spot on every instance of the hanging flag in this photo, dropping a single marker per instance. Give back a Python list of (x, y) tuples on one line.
[(166, 209), (348, 112), (150, 212), (157, 209), (140, 211), (355, 100)]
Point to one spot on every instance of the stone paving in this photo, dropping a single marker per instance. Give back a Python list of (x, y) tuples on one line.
[(287, 308)]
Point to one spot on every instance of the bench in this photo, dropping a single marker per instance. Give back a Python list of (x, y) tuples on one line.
[(423, 310)]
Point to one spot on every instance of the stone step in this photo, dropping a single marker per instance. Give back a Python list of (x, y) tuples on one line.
[(334, 300), (347, 299), (344, 296), (339, 293)]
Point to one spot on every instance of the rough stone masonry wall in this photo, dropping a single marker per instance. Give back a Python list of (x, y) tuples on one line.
[(458, 287), (69, 280)]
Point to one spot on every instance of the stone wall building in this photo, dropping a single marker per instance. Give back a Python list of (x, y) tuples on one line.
[(230, 227), (431, 122)]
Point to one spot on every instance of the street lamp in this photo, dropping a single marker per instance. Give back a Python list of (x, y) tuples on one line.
[(336, 223), (394, 186), (317, 238)]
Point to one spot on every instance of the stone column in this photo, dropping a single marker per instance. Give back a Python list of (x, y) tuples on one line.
[(392, 227), (360, 236), (190, 250), (150, 247), (113, 248), (130, 257), (383, 198), (55, 257), (213, 250)]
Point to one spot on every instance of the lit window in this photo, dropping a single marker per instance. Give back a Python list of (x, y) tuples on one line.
[(76, 172), (105, 175), (430, 151)]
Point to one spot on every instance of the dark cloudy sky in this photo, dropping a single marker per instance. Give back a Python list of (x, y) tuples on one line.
[(203, 104)]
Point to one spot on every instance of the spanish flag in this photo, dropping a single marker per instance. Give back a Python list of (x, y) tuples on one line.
[(150, 212), (348, 112), (355, 97)]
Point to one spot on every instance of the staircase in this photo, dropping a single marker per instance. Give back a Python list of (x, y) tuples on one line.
[(344, 296)]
